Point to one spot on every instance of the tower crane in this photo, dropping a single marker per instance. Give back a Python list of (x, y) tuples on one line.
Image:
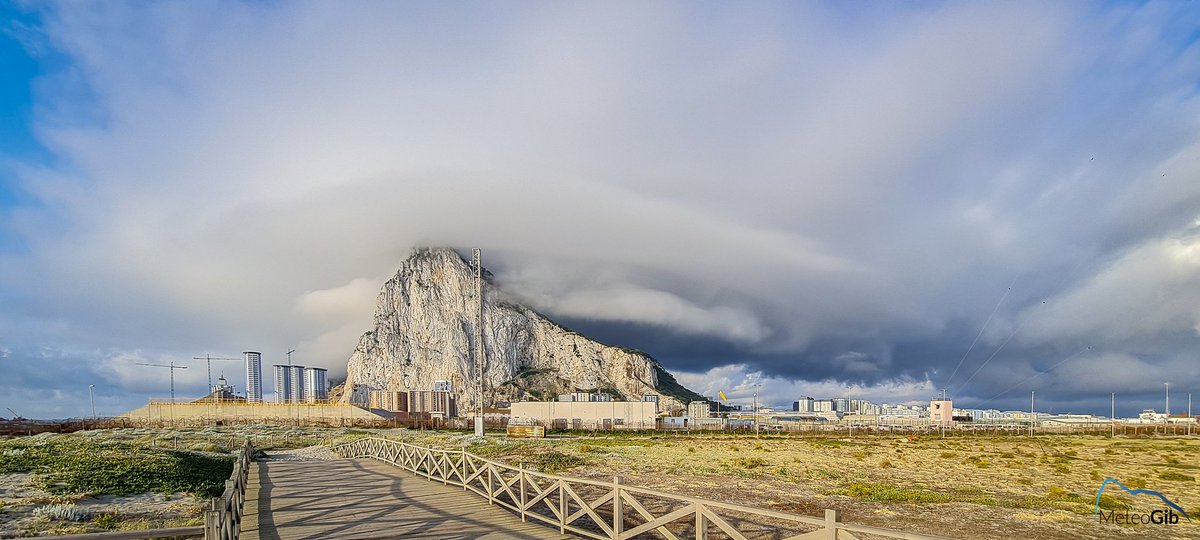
[(170, 366), (208, 359)]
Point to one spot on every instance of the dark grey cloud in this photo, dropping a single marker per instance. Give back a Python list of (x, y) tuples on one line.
[(807, 195)]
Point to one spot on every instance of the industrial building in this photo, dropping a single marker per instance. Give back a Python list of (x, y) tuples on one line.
[(388, 400), (253, 376), (588, 414), (437, 404)]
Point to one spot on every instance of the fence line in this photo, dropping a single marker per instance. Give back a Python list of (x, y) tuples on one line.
[(223, 519), (604, 510)]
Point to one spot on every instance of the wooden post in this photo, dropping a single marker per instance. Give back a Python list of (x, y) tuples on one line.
[(463, 477), (489, 486), (562, 507), (701, 523), (521, 482), (618, 515), (831, 519), (210, 522)]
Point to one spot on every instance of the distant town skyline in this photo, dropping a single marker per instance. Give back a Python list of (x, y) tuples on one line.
[(988, 197)]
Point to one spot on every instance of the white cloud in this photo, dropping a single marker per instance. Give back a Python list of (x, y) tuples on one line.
[(740, 382)]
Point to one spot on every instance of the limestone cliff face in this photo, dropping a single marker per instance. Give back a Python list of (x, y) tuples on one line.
[(424, 331)]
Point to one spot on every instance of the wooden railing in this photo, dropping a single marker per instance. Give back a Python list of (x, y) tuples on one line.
[(223, 519), (605, 510), (177, 532)]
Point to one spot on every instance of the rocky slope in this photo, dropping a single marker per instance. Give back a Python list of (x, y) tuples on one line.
[(424, 328)]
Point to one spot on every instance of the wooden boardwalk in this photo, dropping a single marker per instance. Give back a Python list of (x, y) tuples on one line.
[(365, 498)]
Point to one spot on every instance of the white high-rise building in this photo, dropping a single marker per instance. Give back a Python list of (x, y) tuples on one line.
[(295, 387), (282, 383), (253, 376), (315, 387)]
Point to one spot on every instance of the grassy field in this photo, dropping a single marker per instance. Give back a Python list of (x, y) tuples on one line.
[(124, 478), (994, 487)]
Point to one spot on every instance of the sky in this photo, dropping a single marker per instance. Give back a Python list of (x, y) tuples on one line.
[(788, 198)]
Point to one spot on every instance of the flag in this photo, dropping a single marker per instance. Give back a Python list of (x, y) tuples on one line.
[(721, 394)]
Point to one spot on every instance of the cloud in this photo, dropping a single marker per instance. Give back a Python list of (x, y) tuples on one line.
[(740, 382), (773, 187)]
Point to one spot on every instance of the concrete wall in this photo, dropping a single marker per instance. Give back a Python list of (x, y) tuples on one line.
[(241, 412), (588, 414)]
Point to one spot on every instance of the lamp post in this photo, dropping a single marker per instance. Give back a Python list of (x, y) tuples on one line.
[(92, 398)]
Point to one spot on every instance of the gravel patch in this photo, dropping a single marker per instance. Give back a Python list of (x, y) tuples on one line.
[(308, 453)]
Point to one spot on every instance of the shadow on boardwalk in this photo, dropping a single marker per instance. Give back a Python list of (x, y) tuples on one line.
[(368, 499)]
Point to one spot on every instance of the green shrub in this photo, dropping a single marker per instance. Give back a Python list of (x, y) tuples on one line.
[(749, 462), (885, 464), (585, 448), (1062, 469), (1176, 476), (108, 520), (889, 493)]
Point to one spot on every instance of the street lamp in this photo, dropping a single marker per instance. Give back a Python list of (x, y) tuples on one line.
[(92, 398)]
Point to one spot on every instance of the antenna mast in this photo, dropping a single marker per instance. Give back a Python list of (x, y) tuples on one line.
[(477, 261)]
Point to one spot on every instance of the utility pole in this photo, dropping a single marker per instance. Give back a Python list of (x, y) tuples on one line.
[(755, 409), (92, 398), (477, 260), (1113, 416), (1031, 413), (1190, 419), (849, 423)]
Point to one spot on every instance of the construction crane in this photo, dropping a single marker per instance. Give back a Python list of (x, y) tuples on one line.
[(208, 359), (170, 366), (15, 415), (289, 355)]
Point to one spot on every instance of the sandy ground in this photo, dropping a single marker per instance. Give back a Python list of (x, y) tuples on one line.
[(19, 497)]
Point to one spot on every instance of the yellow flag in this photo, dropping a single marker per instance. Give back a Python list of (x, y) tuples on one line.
[(721, 394)]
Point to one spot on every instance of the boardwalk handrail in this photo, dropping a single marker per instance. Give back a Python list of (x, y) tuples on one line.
[(223, 519), (601, 510)]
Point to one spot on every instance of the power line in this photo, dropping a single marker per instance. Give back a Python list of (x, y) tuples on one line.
[(981, 329), (1040, 373)]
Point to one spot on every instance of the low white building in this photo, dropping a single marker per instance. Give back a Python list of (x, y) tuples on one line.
[(588, 414)]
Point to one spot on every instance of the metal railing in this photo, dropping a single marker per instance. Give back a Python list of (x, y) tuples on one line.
[(605, 510), (223, 519)]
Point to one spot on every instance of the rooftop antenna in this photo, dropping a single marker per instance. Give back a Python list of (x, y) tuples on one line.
[(170, 366), (208, 358), (477, 262)]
